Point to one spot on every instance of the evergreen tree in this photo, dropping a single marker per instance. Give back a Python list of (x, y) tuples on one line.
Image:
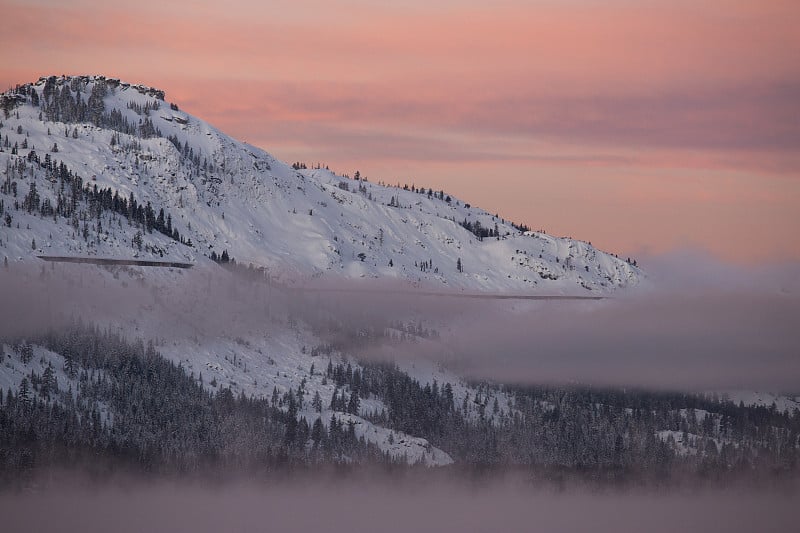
[(354, 404), (317, 432), (24, 394), (316, 403)]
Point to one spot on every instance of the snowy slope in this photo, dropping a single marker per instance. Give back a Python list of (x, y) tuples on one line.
[(782, 403), (226, 195)]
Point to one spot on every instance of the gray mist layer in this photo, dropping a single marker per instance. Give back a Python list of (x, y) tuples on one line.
[(350, 506), (701, 324)]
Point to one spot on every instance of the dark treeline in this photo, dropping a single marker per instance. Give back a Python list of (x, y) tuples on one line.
[(127, 406), (479, 231), (82, 204), (623, 432), (577, 427), (570, 426), (133, 408), (81, 100)]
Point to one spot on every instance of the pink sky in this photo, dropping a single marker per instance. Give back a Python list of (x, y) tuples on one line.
[(643, 126)]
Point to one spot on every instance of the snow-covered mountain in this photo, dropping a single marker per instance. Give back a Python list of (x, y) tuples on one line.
[(90, 146), (92, 167)]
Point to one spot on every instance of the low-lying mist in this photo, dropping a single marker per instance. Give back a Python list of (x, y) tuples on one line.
[(697, 325), (386, 505)]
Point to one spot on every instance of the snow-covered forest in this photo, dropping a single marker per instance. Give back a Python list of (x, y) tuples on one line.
[(121, 366)]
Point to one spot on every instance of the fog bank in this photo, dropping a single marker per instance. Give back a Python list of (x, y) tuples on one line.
[(697, 325), (350, 506)]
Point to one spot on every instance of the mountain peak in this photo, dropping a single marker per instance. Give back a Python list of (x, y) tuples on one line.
[(108, 168)]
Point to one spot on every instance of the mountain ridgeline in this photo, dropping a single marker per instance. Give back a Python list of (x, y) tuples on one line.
[(93, 166)]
